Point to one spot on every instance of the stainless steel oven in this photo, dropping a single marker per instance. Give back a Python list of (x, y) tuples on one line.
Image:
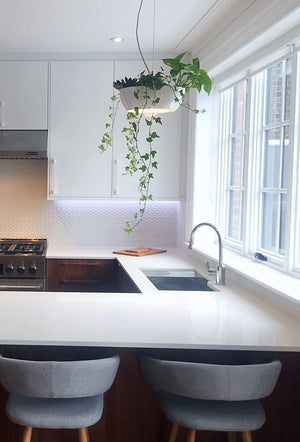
[(22, 264)]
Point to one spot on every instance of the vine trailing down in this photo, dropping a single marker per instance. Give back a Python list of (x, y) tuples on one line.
[(140, 159), (142, 155)]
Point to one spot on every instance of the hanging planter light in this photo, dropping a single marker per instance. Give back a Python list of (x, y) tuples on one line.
[(150, 94), (151, 101)]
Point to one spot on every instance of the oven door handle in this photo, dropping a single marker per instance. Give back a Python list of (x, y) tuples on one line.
[(37, 287)]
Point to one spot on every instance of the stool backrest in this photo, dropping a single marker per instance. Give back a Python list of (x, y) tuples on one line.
[(211, 381), (58, 379)]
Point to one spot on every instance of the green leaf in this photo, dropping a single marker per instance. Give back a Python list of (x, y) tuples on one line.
[(196, 64), (174, 63)]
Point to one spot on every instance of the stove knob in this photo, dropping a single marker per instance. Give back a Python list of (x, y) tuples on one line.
[(32, 269), (9, 268), (21, 269)]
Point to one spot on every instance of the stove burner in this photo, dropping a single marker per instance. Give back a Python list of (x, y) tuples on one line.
[(4, 247), (22, 247), (28, 248)]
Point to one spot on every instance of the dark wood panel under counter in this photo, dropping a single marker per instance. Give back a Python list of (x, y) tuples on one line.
[(88, 275)]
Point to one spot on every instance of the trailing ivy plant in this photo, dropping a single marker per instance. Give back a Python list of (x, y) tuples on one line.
[(142, 161), (142, 154), (141, 158)]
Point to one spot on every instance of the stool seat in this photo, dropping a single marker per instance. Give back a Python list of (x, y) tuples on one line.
[(211, 397), (57, 394), (54, 413), (212, 415)]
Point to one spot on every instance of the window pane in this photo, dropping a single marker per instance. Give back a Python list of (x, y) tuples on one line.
[(269, 221), (238, 107), (236, 161), (282, 224), (286, 143), (272, 158), (234, 215), (274, 94), (288, 84)]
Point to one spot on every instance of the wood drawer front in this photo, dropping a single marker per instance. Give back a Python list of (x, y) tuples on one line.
[(80, 275)]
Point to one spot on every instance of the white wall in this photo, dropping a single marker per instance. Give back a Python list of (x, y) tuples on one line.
[(26, 213)]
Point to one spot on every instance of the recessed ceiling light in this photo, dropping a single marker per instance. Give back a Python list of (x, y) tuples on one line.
[(116, 39)]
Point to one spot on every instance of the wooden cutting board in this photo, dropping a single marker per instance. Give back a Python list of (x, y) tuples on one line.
[(139, 251)]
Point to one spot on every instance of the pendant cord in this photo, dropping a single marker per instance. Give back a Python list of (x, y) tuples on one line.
[(153, 33), (137, 36)]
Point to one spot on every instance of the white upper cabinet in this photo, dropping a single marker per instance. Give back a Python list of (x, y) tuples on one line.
[(167, 178), (80, 95), (79, 99), (23, 94)]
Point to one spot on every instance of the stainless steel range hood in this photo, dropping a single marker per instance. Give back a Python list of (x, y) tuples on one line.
[(23, 144)]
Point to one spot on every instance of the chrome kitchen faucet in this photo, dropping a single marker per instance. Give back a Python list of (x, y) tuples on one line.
[(219, 271)]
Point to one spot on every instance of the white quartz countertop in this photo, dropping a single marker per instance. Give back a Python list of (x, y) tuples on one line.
[(229, 318)]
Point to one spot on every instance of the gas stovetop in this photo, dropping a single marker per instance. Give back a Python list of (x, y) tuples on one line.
[(23, 246)]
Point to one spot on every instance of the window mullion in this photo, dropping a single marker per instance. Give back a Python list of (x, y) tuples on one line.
[(254, 161), (292, 237)]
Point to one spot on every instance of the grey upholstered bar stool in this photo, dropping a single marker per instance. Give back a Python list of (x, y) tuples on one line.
[(211, 397), (51, 394)]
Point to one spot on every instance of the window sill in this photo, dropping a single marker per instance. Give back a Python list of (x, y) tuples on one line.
[(273, 286)]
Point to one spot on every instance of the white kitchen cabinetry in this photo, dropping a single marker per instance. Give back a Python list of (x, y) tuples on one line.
[(23, 94), (79, 99), (79, 106), (167, 178)]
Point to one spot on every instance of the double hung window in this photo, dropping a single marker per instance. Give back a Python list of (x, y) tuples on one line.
[(259, 168)]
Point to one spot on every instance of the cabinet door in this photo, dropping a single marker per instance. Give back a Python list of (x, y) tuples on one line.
[(83, 275), (80, 96), (167, 178), (88, 275), (23, 95)]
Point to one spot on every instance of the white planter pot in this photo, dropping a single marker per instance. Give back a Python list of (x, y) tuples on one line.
[(143, 98)]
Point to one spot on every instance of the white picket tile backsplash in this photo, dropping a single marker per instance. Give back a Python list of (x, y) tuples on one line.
[(26, 212)]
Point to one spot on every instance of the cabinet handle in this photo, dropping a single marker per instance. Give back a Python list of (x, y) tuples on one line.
[(51, 176), (115, 177), (79, 281), (2, 123), (73, 264)]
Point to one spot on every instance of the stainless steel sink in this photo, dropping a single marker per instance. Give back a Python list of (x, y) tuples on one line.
[(178, 279)]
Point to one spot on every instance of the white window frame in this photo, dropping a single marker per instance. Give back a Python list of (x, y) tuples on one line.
[(253, 151)]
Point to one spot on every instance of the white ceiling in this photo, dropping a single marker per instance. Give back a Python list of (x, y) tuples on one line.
[(211, 29), (85, 26)]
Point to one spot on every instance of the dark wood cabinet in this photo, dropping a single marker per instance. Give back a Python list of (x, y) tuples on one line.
[(88, 275)]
